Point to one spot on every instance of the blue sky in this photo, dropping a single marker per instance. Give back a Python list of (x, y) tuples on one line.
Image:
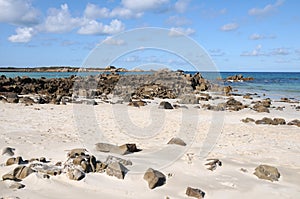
[(257, 35)]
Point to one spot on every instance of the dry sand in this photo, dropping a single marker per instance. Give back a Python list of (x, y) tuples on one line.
[(51, 130)]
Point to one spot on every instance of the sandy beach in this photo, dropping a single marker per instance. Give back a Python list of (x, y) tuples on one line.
[(46, 130)]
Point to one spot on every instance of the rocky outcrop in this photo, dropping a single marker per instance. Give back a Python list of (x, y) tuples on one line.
[(270, 121), (154, 178), (267, 172)]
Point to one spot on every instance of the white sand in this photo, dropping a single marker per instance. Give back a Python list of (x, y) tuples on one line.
[(51, 130)]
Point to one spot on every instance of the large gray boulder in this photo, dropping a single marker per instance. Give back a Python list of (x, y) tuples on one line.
[(154, 178)]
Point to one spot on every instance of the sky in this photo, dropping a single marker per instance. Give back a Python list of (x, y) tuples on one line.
[(236, 35)]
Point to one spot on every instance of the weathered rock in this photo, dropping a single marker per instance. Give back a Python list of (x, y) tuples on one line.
[(16, 185), (189, 99), (129, 148), (264, 120), (295, 122), (75, 174), (76, 152), (116, 169), (9, 176), (279, 121), (137, 103), (8, 150), (196, 193), (247, 120), (227, 90), (261, 109), (78, 160), (100, 167), (154, 178), (110, 159), (267, 172), (10, 161), (22, 172), (177, 141), (213, 163), (165, 105)]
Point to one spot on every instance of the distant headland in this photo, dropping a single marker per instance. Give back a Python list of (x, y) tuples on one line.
[(61, 69)]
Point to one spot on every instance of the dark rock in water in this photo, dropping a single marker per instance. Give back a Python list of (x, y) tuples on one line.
[(165, 105), (116, 169), (8, 150), (267, 172), (75, 174), (247, 120), (196, 193), (177, 141), (295, 122), (16, 185), (154, 178)]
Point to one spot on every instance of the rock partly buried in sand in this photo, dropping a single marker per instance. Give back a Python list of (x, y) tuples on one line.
[(121, 150), (75, 174), (116, 169), (9, 176), (247, 120), (165, 105), (196, 193), (177, 141), (267, 172), (22, 172), (154, 178), (76, 152), (295, 122), (213, 163), (110, 159), (17, 160), (9, 151), (270, 121), (189, 99), (16, 185), (137, 103)]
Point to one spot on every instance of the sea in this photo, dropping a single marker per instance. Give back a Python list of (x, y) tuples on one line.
[(274, 85)]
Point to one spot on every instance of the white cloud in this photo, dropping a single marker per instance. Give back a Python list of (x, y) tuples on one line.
[(178, 21), (18, 12), (266, 10), (230, 27), (93, 11), (255, 52), (280, 51), (145, 5), (94, 27), (60, 20), (181, 5), (23, 35), (111, 41), (174, 32), (256, 36)]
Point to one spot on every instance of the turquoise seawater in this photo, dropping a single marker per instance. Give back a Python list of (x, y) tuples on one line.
[(273, 84)]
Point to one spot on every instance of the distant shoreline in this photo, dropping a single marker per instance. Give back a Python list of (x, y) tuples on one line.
[(62, 69)]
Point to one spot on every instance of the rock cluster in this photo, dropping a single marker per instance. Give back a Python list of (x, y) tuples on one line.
[(239, 78), (262, 106), (270, 121), (162, 84)]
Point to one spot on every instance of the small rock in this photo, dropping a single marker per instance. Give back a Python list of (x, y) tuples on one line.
[(16, 185), (110, 159), (295, 122), (75, 174), (247, 120), (165, 105), (213, 164), (196, 193), (279, 121), (10, 161), (154, 178), (76, 152), (8, 150), (116, 169), (267, 172), (177, 141), (265, 120), (9, 177)]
